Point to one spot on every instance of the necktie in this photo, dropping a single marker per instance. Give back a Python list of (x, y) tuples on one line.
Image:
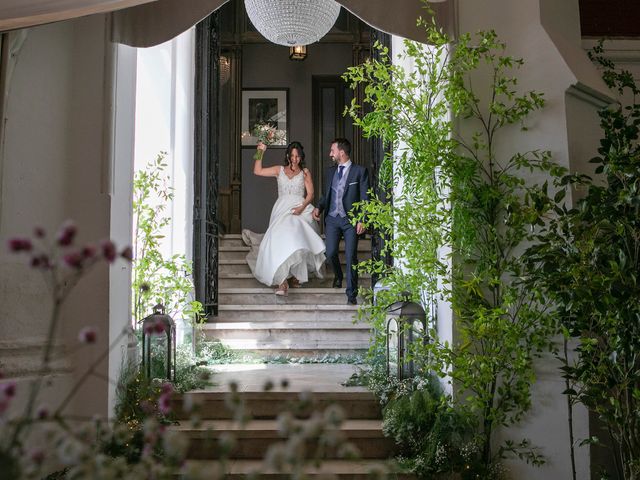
[(340, 170)]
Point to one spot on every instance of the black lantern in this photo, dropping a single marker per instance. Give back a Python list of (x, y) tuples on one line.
[(159, 345), (406, 324)]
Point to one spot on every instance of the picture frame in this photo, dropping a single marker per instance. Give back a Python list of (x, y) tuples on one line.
[(265, 107)]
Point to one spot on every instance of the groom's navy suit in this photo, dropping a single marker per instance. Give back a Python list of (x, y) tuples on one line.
[(339, 194)]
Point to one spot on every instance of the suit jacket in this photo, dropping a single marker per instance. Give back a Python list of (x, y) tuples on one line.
[(355, 189)]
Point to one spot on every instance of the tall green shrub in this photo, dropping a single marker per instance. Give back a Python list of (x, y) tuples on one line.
[(157, 279), (588, 264), (454, 190)]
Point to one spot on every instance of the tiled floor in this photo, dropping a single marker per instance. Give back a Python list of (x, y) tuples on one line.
[(301, 377)]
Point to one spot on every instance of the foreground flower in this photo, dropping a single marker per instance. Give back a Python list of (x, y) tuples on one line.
[(20, 244), (67, 234), (88, 335), (109, 251)]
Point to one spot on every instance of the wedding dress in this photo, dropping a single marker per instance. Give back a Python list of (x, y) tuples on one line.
[(291, 246)]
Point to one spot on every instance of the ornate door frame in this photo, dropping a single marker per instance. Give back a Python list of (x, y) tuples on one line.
[(206, 163), (207, 160)]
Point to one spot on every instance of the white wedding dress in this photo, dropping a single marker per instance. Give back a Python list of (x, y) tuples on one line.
[(291, 246)]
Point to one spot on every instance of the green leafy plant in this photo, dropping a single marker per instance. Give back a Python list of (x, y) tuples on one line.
[(433, 437), (454, 189), (588, 262), (157, 279)]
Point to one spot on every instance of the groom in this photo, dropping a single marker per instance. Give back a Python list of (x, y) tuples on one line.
[(345, 184)]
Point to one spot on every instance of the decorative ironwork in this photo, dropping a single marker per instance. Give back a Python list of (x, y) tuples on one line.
[(378, 153), (206, 167)]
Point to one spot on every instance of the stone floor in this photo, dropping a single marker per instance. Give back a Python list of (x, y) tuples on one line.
[(301, 377)]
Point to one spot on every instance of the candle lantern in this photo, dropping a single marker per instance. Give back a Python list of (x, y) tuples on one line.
[(406, 324), (159, 345)]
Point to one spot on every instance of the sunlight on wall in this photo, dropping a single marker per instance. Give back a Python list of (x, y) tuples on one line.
[(164, 123)]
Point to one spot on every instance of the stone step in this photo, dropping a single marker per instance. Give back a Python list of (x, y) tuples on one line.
[(239, 266), (260, 405), (266, 296), (235, 240), (340, 469), (286, 312), (254, 438), (310, 347), (296, 335), (247, 280), (240, 252)]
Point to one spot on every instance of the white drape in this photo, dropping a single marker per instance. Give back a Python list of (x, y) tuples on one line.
[(144, 23)]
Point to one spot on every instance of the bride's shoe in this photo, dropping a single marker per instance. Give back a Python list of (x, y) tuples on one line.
[(294, 283), (283, 289)]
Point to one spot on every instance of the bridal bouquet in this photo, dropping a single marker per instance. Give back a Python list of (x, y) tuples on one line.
[(269, 135)]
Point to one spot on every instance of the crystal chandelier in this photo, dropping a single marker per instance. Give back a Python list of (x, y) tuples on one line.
[(292, 22)]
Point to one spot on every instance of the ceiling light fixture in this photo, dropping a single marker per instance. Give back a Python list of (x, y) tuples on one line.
[(292, 22)]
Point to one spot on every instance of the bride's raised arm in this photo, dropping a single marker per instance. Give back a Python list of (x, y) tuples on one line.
[(258, 169)]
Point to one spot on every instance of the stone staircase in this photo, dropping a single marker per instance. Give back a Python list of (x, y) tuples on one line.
[(362, 429), (311, 322)]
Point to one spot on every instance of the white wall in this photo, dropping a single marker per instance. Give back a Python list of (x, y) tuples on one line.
[(57, 165)]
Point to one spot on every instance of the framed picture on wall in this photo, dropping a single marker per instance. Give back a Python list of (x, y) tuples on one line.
[(264, 115)]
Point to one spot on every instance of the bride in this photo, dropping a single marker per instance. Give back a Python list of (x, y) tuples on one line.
[(291, 248)]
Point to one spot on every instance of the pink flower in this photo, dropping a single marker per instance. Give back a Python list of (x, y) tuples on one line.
[(39, 232), (41, 261), (67, 234), (89, 251), (9, 389), (164, 403), (42, 413), (73, 260), (88, 335), (20, 244), (158, 328), (166, 388), (109, 251), (127, 253)]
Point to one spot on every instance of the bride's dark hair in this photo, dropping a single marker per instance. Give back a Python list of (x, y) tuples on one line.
[(298, 146)]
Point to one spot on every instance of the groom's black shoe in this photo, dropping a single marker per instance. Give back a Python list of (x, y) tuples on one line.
[(337, 282), (352, 301)]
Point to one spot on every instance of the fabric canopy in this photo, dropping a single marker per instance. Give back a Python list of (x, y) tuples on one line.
[(144, 23), (16, 14)]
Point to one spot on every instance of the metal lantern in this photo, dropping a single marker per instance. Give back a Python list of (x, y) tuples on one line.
[(159, 345), (406, 324), (298, 52)]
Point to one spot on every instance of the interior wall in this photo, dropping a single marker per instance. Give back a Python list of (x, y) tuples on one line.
[(33, 191), (268, 66), (57, 166)]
